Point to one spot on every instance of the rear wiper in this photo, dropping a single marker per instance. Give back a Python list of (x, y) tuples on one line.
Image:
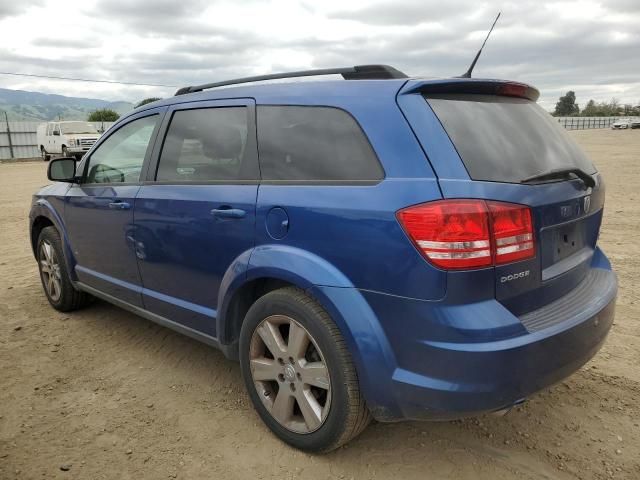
[(560, 173)]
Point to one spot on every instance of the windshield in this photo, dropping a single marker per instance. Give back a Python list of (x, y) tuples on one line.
[(506, 139), (78, 127)]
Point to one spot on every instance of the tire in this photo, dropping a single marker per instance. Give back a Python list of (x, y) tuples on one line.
[(44, 154), (65, 151), (319, 416), (56, 283)]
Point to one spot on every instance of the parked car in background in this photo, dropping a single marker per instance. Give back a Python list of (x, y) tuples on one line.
[(359, 245), (635, 124), (620, 125), (66, 138)]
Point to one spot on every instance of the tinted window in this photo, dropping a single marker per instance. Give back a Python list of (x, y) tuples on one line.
[(120, 157), (506, 139), (207, 144), (313, 143)]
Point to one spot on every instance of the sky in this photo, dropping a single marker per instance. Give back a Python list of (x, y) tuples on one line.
[(590, 47)]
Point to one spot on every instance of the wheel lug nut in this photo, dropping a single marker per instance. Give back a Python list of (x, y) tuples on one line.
[(292, 387), (280, 361), (299, 376), (290, 359), (281, 377)]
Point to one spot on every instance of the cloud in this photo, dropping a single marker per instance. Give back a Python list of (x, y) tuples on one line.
[(9, 8), (407, 13), (590, 47), (157, 17), (71, 43)]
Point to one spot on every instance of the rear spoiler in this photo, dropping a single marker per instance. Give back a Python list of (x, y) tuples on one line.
[(472, 85)]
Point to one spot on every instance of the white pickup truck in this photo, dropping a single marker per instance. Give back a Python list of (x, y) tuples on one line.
[(70, 138)]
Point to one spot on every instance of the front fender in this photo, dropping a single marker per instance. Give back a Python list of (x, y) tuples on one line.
[(43, 208), (358, 324)]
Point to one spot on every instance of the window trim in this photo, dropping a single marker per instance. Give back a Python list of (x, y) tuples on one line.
[(252, 141), (111, 131), (338, 183)]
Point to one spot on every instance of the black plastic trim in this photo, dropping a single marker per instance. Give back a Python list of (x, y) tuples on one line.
[(359, 72)]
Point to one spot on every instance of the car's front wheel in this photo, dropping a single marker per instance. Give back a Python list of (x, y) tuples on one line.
[(57, 285), (299, 372)]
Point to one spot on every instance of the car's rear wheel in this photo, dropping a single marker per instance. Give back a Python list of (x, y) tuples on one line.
[(65, 151), (57, 285), (299, 372), (44, 154)]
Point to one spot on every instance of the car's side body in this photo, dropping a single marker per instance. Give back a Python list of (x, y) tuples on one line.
[(620, 125), (427, 343)]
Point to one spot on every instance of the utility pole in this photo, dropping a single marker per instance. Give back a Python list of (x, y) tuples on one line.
[(6, 119)]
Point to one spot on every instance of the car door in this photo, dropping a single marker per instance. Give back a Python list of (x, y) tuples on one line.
[(195, 215), (99, 209)]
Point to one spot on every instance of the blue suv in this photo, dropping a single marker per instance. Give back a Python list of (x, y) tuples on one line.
[(374, 246)]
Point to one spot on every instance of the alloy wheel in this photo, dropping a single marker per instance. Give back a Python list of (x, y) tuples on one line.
[(290, 374), (50, 268)]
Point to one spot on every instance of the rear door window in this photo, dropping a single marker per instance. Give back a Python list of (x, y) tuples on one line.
[(506, 139), (207, 144), (299, 143)]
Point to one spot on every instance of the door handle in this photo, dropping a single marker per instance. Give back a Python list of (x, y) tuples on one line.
[(119, 206), (223, 212)]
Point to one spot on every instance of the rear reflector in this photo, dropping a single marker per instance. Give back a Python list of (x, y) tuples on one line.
[(464, 234)]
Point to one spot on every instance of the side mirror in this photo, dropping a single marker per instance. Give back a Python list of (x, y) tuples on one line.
[(62, 170), (56, 133)]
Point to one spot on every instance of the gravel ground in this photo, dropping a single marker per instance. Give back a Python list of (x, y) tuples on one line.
[(101, 393)]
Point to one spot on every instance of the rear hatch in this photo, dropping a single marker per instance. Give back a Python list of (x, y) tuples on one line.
[(492, 141)]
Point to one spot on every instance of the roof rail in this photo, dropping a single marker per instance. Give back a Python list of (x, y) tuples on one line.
[(359, 72)]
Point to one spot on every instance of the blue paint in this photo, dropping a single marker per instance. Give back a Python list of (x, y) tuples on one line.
[(426, 343)]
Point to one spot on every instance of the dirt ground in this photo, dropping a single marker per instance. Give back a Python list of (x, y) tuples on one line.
[(110, 395)]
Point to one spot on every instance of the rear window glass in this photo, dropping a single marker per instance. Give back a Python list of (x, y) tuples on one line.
[(506, 139), (313, 143), (207, 144)]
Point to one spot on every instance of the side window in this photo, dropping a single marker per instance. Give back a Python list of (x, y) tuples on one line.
[(313, 143), (120, 157), (207, 144), (49, 129)]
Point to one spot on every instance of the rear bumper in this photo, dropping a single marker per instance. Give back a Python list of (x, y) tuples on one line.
[(440, 378), (501, 374)]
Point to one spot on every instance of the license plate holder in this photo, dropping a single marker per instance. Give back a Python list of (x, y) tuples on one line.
[(567, 240)]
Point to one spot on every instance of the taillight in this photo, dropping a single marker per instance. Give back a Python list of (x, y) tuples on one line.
[(464, 234), (512, 232)]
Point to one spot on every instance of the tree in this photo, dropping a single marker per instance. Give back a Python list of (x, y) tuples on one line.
[(591, 109), (147, 100), (567, 105), (103, 115)]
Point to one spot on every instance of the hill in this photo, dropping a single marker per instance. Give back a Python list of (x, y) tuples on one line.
[(35, 106)]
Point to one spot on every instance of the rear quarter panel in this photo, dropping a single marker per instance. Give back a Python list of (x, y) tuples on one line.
[(353, 226)]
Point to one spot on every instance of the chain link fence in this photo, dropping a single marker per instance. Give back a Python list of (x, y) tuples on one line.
[(584, 123)]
